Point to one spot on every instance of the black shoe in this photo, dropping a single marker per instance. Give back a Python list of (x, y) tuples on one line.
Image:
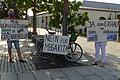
[(95, 63), (11, 61), (102, 65), (23, 61)]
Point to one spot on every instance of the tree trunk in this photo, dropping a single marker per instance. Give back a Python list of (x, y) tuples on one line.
[(34, 17), (26, 16), (65, 14), (119, 33)]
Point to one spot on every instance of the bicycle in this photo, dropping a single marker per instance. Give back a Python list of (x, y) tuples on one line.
[(74, 52)]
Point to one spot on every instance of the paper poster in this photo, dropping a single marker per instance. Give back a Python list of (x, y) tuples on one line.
[(12, 29), (56, 44), (102, 30)]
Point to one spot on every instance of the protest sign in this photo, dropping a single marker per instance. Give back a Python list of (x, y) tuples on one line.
[(56, 44), (102, 30), (13, 29)]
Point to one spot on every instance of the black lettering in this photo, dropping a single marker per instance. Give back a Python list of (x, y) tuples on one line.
[(4, 37), (110, 24), (55, 47), (63, 40), (92, 32), (115, 24), (49, 48), (14, 21), (1, 25), (108, 31), (92, 24), (14, 36), (51, 38), (46, 47), (66, 41), (100, 24), (56, 38), (14, 25), (63, 48), (58, 48)]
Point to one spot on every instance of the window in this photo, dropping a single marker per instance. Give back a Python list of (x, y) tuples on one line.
[(102, 18), (80, 30), (118, 16)]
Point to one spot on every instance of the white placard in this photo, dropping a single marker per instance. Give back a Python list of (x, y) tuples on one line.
[(102, 30), (56, 44), (13, 29)]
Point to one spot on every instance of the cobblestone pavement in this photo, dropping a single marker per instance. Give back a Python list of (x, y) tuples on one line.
[(28, 71), (112, 50)]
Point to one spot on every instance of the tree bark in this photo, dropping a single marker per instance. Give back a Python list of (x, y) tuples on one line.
[(65, 14), (26, 16), (119, 31), (34, 18)]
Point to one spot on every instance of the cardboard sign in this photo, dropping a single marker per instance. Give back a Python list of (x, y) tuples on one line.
[(102, 30), (13, 29), (56, 44)]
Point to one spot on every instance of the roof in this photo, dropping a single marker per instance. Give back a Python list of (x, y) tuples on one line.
[(103, 5), (98, 9)]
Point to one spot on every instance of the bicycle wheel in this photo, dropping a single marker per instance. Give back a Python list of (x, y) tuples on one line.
[(75, 52), (40, 52)]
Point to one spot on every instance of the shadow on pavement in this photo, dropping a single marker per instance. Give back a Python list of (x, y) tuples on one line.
[(57, 61)]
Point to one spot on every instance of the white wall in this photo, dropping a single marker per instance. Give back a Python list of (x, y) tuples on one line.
[(92, 14), (39, 20), (95, 15)]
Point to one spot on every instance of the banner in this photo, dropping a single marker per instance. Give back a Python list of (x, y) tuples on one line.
[(102, 30), (13, 29), (56, 44)]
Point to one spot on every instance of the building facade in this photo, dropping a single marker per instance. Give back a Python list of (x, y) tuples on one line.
[(108, 11), (96, 13)]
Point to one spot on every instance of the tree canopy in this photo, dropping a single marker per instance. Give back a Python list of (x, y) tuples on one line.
[(54, 7), (74, 17)]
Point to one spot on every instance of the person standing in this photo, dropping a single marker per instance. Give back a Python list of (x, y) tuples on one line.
[(11, 15), (100, 46)]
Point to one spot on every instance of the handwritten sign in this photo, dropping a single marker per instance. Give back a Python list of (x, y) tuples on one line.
[(56, 44), (102, 30), (12, 29)]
